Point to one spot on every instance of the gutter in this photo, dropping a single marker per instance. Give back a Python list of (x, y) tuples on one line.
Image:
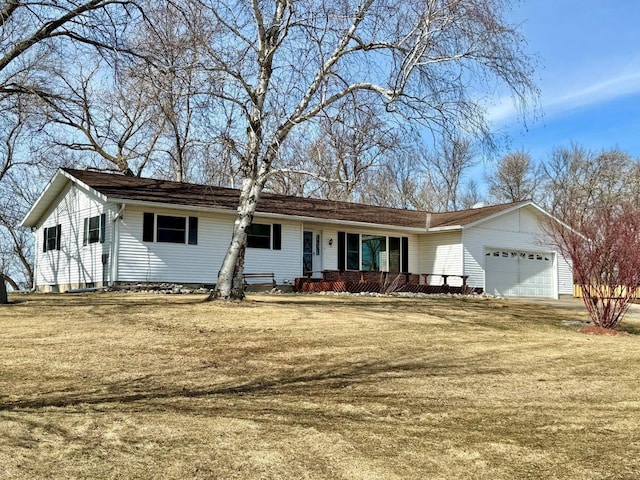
[(115, 238), (258, 213), (35, 260)]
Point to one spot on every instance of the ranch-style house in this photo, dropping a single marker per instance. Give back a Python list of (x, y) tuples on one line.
[(96, 229)]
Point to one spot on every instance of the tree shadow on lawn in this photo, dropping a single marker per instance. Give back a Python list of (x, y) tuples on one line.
[(307, 381)]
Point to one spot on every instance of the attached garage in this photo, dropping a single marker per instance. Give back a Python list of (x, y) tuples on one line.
[(515, 273)]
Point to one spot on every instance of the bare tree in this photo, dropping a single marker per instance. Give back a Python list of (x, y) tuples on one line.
[(577, 178), (346, 148), (597, 196), (396, 183), (281, 64), (514, 179), (112, 121), (446, 168), (15, 242), (173, 35), (31, 30), (603, 244), (470, 196), (34, 37)]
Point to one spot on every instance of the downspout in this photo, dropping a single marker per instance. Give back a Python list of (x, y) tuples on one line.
[(115, 240), (35, 261)]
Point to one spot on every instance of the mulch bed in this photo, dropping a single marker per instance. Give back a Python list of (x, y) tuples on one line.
[(594, 330)]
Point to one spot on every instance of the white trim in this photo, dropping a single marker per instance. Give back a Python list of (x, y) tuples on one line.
[(498, 214), (261, 214), (443, 229), (115, 244), (52, 190), (84, 185)]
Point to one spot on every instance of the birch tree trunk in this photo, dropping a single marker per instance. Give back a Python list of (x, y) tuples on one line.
[(230, 284)]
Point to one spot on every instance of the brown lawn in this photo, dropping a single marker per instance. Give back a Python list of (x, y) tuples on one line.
[(126, 386)]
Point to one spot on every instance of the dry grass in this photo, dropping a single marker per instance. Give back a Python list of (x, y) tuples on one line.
[(311, 387)]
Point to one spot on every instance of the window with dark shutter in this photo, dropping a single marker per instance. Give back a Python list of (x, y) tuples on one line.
[(193, 230), (147, 227), (103, 226), (58, 236), (259, 236), (405, 254), (52, 238), (277, 236), (170, 229), (342, 250)]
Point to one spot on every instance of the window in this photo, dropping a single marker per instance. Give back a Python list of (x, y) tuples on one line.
[(259, 236), (353, 251), (94, 229), (169, 229), (51, 240), (193, 231), (264, 235), (373, 253), (394, 254)]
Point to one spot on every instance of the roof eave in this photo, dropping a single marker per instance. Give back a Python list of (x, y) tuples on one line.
[(227, 211), (502, 212), (446, 228), (51, 191)]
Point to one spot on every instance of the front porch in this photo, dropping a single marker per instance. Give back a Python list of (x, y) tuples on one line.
[(382, 282)]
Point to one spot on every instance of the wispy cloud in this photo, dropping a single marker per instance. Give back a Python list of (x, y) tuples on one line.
[(559, 99)]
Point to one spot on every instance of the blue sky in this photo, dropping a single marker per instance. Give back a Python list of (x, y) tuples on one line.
[(589, 76)]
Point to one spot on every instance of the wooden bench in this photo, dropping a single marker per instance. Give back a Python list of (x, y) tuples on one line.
[(445, 278), (260, 279)]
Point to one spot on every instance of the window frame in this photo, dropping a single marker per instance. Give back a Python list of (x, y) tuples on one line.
[(49, 238), (171, 230), (151, 228), (344, 263), (274, 236), (99, 232)]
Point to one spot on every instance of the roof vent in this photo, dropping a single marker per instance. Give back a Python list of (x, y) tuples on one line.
[(479, 205)]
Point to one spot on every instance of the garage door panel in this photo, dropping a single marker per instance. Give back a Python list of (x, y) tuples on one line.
[(519, 273)]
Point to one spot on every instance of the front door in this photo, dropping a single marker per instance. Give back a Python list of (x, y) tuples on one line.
[(312, 253)]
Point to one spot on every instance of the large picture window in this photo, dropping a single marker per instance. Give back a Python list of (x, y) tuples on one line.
[(373, 253), (51, 240), (264, 235), (169, 229)]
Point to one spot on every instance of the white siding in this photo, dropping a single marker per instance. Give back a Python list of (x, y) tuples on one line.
[(170, 262), (74, 265), (518, 230), (285, 263), (441, 253)]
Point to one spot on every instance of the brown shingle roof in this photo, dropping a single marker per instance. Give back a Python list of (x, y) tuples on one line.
[(116, 186), (466, 217)]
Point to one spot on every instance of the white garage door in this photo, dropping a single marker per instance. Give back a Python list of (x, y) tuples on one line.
[(513, 273)]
